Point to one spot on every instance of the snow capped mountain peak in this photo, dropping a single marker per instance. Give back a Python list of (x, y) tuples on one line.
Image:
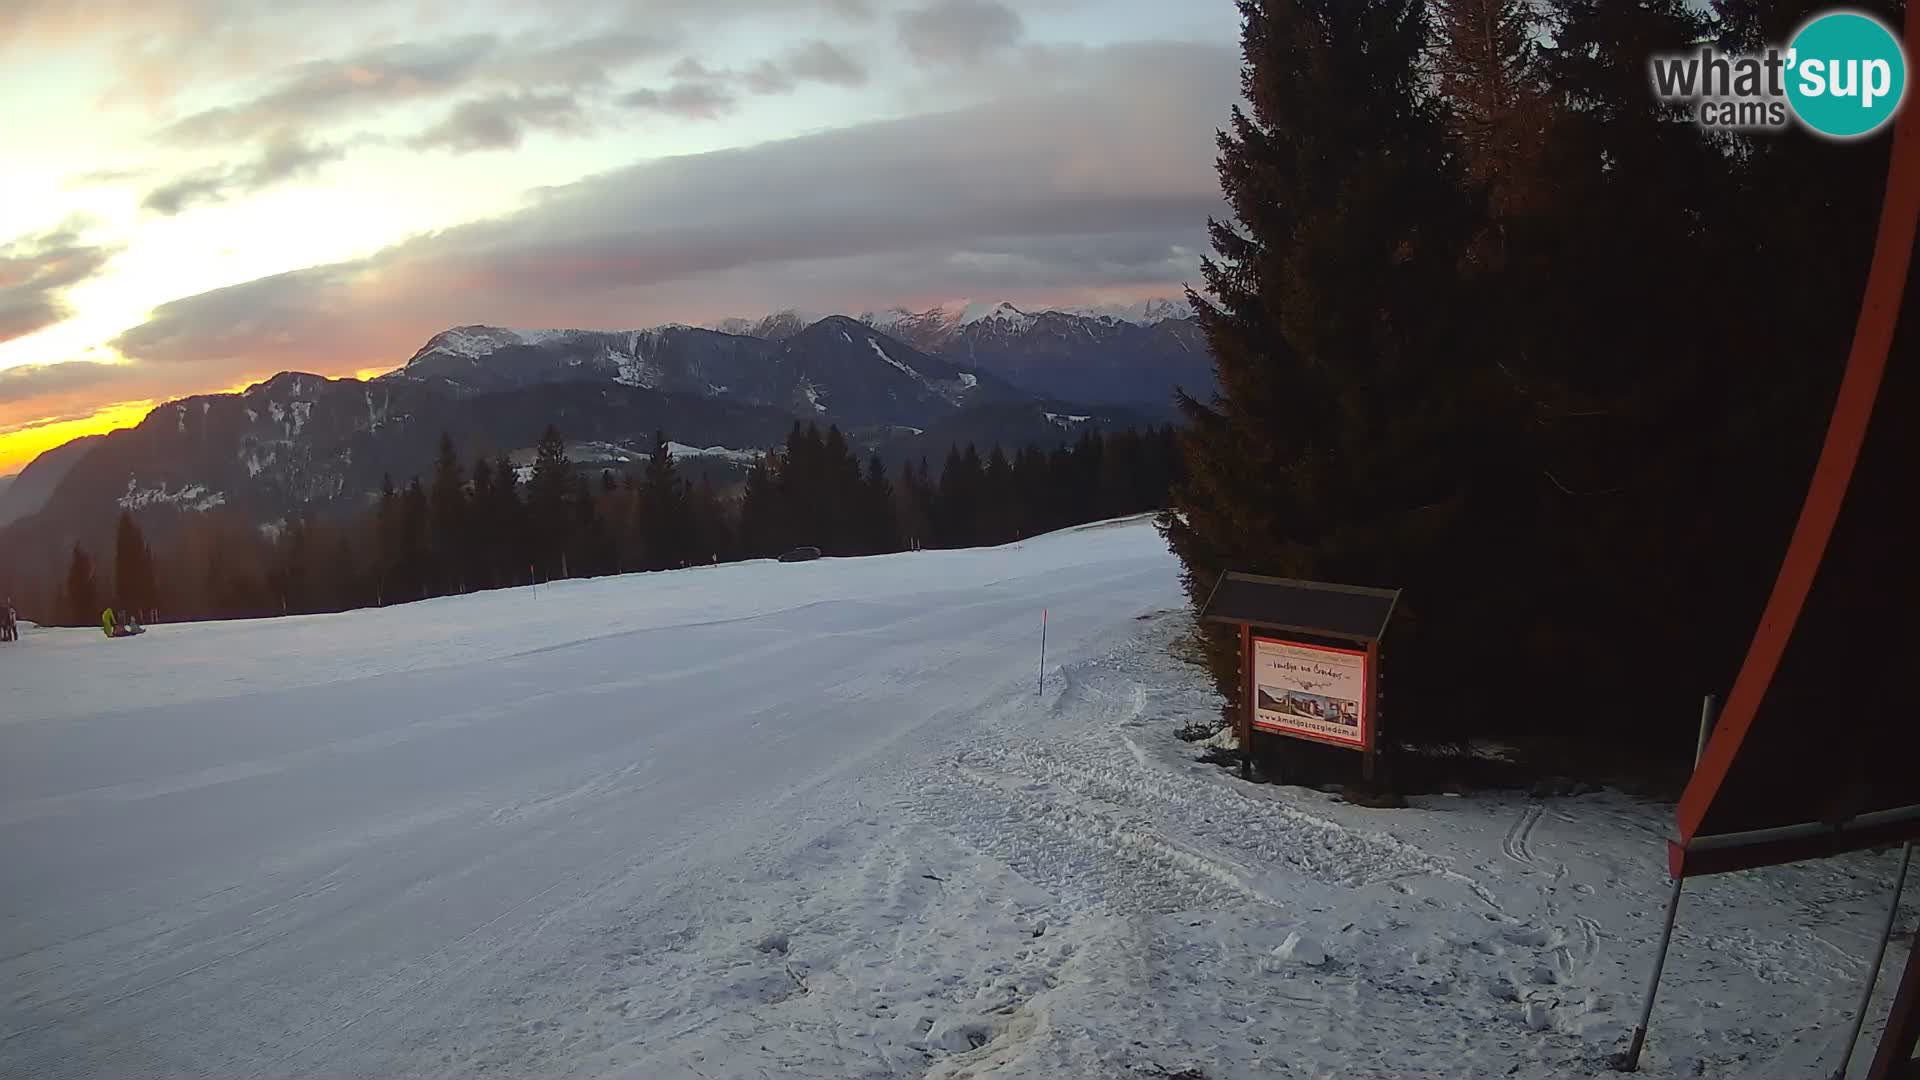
[(472, 342), (1140, 313), (1001, 312), (775, 327)]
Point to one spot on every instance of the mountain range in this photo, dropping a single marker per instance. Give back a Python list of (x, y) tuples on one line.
[(905, 384), (1114, 355)]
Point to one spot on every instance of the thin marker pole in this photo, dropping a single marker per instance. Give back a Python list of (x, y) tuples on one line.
[(1629, 1061), (1709, 715), (1879, 954), (1043, 650)]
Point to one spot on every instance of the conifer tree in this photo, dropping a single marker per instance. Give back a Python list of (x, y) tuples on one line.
[(449, 526), (547, 492), (880, 526), (82, 592), (1325, 455), (760, 532), (663, 509), (512, 535), (132, 566), (483, 569), (998, 507), (1488, 62), (387, 535), (587, 540), (414, 513)]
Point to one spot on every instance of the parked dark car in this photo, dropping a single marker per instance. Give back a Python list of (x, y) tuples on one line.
[(801, 554)]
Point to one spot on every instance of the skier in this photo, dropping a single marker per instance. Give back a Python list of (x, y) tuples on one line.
[(9, 622), (107, 623)]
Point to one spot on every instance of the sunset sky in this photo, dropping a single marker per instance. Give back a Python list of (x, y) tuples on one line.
[(200, 193)]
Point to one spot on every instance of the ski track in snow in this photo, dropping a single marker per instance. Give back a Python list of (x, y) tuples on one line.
[(1515, 844), (817, 821)]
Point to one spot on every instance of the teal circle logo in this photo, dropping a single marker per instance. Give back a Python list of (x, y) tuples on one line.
[(1847, 74)]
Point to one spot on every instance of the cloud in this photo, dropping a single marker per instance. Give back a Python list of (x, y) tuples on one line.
[(157, 50), (813, 61), (959, 31), (692, 70), (320, 90), (37, 270), (818, 61), (105, 178), (694, 100), (283, 158), (580, 62), (43, 380), (500, 122), (1101, 185)]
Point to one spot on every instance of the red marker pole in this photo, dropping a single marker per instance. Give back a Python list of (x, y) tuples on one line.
[(1043, 650)]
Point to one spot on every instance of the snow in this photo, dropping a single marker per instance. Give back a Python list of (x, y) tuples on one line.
[(887, 358), (682, 450), (1299, 950), (969, 380), (1003, 315), (194, 497), (817, 820), (1143, 313), (1065, 420)]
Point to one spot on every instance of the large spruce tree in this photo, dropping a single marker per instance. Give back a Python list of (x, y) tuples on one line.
[(664, 529), (1336, 448), (132, 567)]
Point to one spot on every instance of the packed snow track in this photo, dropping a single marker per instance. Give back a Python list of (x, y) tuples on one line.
[(814, 820)]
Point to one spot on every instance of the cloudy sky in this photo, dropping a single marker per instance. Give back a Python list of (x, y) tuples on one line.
[(200, 193)]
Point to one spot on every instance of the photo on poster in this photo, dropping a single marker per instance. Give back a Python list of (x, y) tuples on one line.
[(1307, 706)]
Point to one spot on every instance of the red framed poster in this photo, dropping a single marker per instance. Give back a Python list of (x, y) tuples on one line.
[(1312, 692)]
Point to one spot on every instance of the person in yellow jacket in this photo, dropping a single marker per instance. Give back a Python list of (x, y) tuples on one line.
[(108, 624)]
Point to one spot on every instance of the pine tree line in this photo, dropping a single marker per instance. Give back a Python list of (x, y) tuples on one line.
[(1496, 326), (466, 528)]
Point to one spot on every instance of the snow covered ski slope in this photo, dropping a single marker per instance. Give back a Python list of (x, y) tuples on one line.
[(815, 820)]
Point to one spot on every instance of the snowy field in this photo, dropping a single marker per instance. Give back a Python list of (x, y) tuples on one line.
[(816, 820)]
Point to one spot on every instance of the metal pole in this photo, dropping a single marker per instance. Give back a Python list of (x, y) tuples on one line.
[(1879, 954), (1629, 1061), (1247, 701), (1043, 650), (1709, 714)]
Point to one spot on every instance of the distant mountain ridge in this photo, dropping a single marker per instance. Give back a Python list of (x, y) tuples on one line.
[(836, 367), (1122, 354), (301, 443)]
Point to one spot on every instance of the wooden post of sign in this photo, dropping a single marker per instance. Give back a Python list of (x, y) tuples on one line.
[(1247, 701), (1371, 695)]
